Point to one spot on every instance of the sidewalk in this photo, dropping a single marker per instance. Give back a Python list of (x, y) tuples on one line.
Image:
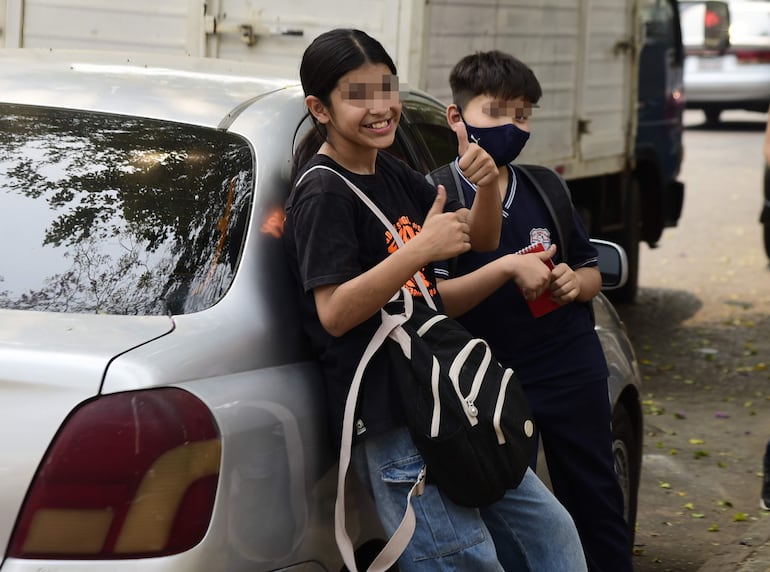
[(748, 553)]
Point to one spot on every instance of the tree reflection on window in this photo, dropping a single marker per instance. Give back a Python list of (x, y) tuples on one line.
[(119, 215)]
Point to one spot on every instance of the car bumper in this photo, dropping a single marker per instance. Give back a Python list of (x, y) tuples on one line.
[(724, 80)]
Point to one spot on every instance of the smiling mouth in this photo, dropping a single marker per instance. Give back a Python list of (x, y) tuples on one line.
[(379, 124)]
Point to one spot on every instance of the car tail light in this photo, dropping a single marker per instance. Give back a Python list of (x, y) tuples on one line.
[(751, 56), (129, 475)]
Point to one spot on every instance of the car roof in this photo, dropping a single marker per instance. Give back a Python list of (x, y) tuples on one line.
[(200, 91)]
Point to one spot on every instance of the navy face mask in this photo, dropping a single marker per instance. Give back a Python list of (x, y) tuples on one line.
[(503, 143)]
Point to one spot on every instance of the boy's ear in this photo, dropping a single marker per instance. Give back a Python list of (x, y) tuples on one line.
[(316, 107), (453, 116)]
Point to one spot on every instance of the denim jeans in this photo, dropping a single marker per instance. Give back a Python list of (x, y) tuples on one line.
[(527, 530)]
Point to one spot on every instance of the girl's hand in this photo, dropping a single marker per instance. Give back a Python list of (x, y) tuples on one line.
[(530, 272), (565, 285), (443, 235), (475, 163)]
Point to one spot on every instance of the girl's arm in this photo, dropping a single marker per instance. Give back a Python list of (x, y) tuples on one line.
[(341, 307)]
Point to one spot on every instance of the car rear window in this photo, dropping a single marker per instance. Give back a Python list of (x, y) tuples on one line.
[(119, 215)]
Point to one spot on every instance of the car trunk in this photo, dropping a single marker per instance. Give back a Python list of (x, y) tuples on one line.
[(51, 363)]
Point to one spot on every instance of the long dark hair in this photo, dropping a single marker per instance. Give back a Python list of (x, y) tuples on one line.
[(329, 57)]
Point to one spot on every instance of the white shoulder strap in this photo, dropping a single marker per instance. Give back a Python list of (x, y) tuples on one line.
[(388, 328), (403, 534), (380, 215)]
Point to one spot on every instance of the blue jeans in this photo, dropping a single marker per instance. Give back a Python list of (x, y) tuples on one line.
[(527, 530)]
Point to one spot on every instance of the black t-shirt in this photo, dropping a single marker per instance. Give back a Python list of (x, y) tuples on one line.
[(331, 236)]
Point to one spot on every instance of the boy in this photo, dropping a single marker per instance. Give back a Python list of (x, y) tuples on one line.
[(557, 357)]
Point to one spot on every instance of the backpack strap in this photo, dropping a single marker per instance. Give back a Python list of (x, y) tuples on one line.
[(403, 534), (383, 219), (557, 198), (448, 176)]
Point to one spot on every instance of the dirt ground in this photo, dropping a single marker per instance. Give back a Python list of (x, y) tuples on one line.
[(701, 329), (707, 417)]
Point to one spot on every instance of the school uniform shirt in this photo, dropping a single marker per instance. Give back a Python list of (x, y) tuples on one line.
[(331, 236), (560, 346)]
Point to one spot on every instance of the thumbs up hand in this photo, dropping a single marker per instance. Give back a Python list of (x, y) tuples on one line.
[(475, 163), (443, 235)]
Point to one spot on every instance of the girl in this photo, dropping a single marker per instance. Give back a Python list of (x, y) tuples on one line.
[(349, 267)]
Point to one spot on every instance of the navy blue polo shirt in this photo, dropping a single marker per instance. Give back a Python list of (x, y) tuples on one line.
[(559, 346)]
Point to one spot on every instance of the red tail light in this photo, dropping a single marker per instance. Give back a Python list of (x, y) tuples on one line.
[(129, 475), (712, 19), (751, 56)]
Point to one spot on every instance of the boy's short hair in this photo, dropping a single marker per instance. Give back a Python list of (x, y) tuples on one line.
[(494, 73)]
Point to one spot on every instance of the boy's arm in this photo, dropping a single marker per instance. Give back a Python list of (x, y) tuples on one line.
[(465, 292), (486, 215)]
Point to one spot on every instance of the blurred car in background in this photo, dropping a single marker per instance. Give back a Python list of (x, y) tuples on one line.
[(727, 47), (159, 405)]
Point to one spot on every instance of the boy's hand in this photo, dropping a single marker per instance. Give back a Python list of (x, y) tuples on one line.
[(475, 163), (443, 235), (565, 285)]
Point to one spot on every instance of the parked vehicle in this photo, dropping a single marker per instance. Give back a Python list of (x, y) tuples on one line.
[(585, 53), (727, 47), (159, 407)]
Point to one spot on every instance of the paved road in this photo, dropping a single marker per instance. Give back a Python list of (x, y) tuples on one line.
[(701, 328)]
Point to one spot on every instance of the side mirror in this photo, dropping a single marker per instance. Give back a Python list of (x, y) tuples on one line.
[(613, 264)]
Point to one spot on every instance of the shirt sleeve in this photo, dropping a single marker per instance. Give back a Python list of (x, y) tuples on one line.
[(581, 252), (327, 246)]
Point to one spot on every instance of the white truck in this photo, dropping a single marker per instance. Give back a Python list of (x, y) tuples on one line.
[(584, 52)]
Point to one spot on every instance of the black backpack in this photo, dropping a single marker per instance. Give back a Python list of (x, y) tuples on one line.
[(467, 414), (548, 183)]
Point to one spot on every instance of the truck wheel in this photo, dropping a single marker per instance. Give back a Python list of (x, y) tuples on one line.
[(629, 238), (712, 115)]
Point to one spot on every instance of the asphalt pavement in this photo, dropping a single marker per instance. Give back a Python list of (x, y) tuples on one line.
[(748, 553)]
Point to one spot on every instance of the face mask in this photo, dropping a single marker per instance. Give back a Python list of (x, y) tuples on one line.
[(503, 143)]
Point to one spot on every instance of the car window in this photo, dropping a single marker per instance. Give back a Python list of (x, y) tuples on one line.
[(118, 215), (427, 124)]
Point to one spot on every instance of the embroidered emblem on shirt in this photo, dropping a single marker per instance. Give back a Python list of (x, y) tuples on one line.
[(540, 235)]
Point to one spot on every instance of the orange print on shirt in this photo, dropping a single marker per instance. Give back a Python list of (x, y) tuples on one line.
[(407, 230)]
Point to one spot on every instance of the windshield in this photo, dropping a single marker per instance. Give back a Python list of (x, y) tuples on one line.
[(119, 215)]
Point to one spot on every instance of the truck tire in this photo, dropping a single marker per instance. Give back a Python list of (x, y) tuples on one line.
[(712, 115), (628, 238)]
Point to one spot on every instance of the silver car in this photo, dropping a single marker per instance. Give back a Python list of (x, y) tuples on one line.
[(159, 407), (727, 47)]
